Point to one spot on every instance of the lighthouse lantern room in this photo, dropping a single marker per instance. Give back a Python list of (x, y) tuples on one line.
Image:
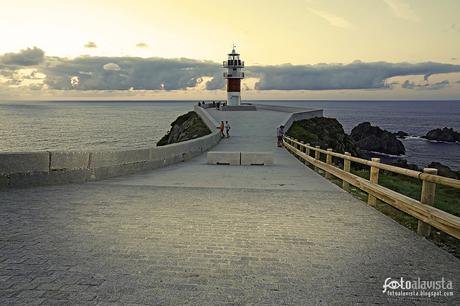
[(234, 74)]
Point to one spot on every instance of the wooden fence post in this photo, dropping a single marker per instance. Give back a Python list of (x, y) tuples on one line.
[(317, 155), (427, 197), (346, 167), (302, 149), (329, 162), (373, 178), (307, 150)]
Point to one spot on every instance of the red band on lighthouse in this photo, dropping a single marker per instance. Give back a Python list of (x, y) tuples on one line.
[(234, 85)]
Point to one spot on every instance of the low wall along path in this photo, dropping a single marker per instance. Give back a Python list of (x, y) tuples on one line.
[(48, 168)]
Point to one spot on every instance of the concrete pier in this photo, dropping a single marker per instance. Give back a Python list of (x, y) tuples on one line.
[(193, 233)]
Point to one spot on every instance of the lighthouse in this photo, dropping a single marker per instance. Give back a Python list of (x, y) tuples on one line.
[(234, 74)]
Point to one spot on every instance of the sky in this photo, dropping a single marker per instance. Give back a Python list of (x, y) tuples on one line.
[(293, 49)]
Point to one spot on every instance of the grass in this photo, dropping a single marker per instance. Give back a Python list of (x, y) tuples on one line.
[(446, 199)]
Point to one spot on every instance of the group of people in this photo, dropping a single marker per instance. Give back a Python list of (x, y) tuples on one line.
[(224, 127), (213, 104)]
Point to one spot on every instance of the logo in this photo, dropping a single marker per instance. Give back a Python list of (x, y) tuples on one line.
[(418, 287)]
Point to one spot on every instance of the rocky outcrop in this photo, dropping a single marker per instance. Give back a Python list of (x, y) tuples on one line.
[(324, 132), (445, 134), (373, 138), (444, 170), (185, 127), (401, 134)]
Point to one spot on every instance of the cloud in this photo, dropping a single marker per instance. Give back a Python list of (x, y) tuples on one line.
[(332, 19), (111, 67), (435, 86), (25, 57), (142, 45), (90, 45), (357, 75), (402, 9), (123, 73)]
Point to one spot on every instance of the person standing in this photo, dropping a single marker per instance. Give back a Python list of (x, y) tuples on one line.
[(280, 134), (227, 128), (221, 128)]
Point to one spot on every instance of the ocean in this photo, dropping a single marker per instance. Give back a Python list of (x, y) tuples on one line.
[(110, 125)]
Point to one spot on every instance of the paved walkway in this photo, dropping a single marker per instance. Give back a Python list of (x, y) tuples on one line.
[(209, 235)]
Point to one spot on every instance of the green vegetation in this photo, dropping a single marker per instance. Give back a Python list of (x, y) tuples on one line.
[(446, 199), (324, 132), (185, 127)]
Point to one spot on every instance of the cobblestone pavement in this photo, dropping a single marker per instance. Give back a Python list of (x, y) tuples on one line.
[(118, 244)]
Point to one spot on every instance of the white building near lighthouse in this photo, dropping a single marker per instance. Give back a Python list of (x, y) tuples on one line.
[(234, 74)]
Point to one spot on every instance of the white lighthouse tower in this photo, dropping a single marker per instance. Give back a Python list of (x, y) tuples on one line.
[(234, 75)]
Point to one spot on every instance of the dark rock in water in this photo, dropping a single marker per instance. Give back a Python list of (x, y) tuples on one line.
[(445, 134), (400, 162), (373, 138), (401, 134), (185, 127), (444, 170), (324, 132)]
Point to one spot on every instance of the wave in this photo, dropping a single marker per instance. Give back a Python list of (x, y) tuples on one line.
[(387, 155), (440, 141), (413, 137)]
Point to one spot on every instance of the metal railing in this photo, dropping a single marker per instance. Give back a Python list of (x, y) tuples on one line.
[(233, 64), (422, 210), (236, 76)]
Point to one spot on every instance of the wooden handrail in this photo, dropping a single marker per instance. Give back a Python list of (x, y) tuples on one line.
[(422, 210), (446, 181)]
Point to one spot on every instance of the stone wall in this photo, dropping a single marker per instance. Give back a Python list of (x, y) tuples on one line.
[(62, 167)]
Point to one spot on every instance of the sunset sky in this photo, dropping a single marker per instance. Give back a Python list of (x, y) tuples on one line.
[(293, 49)]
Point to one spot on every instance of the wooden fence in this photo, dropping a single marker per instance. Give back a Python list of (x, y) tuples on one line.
[(423, 210)]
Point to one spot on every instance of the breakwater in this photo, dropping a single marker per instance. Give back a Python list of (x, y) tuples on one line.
[(27, 169)]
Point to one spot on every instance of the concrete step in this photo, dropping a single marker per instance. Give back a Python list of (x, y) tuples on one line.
[(240, 158)]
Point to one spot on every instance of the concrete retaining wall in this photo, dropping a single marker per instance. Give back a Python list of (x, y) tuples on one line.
[(282, 108), (301, 116), (24, 162), (294, 113), (61, 167)]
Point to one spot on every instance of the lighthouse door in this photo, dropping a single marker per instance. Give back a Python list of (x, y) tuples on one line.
[(233, 99)]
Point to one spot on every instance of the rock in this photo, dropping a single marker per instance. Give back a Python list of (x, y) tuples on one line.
[(185, 127), (400, 162), (323, 132), (373, 138), (401, 134), (444, 170), (445, 134)]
